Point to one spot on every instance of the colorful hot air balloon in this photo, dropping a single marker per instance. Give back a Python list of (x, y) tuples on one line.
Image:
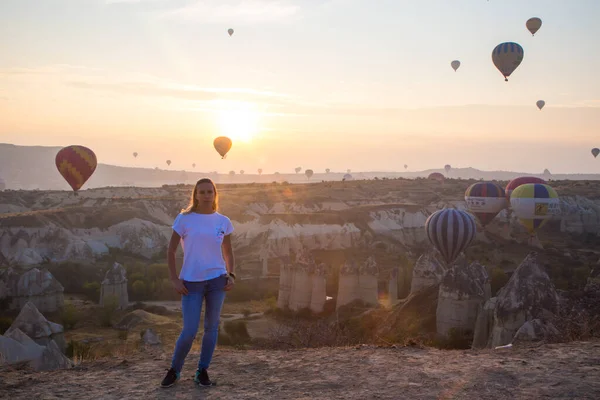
[(595, 152), (298, 169), (450, 231), (230, 31), (540, 104), (534, 204), (327, 170), (455, 65), (260, 171), (76, 164), (515, 183), (308, 173), (533, 25), (507, 57), (485, 200), (169, 162), (135, 154), (222, 145), (436, 176), (447, 167)]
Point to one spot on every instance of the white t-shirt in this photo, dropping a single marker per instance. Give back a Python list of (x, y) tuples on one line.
[(201, 239)]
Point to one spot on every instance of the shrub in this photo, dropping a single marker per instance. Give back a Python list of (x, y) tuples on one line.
[(91, 290), (69, 316), (237, 331), (78, 351), (108, 310)]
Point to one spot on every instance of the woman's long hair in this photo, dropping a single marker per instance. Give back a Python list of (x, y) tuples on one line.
[(194, 200)]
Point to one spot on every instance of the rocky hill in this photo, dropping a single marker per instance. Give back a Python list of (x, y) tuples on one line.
[(567, 370)]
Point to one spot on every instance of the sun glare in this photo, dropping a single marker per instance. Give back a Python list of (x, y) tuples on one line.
[(238, 121)]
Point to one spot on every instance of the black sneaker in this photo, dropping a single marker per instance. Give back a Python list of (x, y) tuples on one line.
[(171, 378), (202, 378)]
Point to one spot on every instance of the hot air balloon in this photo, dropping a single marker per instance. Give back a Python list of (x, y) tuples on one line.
[(298, 169), (242, 172), (308, 173), (327, 170), (455, 64), (232, 173), (507, 57), (168, 162), (222, 145), (447, 167), (347, 177), (534, 204), (260, 171), (76, 164), (135, 154), (540, 104), (194, 165), (405, 166), (348, 171), (436, 176), (230, 31), (485, 200), (515, 183), (450, 231), (595, 152), (533, 25)]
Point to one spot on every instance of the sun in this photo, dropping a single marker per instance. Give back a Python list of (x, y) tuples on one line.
[(238, 121)]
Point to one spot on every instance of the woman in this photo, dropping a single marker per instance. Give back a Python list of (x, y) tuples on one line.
[(207, 273)]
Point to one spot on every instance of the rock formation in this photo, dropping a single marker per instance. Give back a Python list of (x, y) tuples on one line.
[(16, 347), (286, 277), (31, 322), (347, 283), (301, 291), (529, 294), (368, 274), (114, 287), (484, 324), (428, 270), (150, 337), (34, 285), (393, 286), (534, 330), (319, 294), (461, 294)]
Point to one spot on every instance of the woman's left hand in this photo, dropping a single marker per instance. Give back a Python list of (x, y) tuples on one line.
[(230, 283)]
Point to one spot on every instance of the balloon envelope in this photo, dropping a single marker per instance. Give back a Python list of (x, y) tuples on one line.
[(230, 31), (260, 171), (135, 154), (436, 176), (595, 152), (347, 177), (485, 200), (507, 57), (168, 162), (450, 231), (540, 104), (455, 65), (222, 145), (76, 164), (534, 204), (308, 173), (447, 167), (522, 180), (533, 25)]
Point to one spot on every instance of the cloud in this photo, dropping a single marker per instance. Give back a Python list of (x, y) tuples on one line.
[(235, 11)]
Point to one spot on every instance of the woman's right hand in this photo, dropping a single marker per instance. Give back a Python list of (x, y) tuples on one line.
[(179, 286)]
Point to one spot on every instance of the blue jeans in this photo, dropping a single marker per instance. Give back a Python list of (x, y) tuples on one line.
[(191, 307)]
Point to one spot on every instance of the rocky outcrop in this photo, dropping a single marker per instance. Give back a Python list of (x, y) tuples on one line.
[(368, 275), (301, 291), (528, 295), (535, 330), (31, 322), (149, 337), (114, 287), (286, 277), (428, 270), (461, 294), (302, 284), (484, 324), (319, 294), (36, 286), (393, 286), (347, 283)]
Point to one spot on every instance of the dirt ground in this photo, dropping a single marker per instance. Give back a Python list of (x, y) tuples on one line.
[(364, 372)]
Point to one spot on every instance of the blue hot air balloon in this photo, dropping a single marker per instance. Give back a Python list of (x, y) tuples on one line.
[(450, 231), (507, 57)]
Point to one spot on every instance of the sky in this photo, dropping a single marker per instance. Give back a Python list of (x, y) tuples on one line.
[(342, 84)]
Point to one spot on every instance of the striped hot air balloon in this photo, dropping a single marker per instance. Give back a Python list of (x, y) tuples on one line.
[(76, 164), (485, 200), (522, 180), (534, 204), (450, 231), (507, 57)]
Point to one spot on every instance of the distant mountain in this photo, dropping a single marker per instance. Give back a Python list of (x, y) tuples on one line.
[(32, 167)]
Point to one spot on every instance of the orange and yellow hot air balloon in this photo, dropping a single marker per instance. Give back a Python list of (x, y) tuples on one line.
[(222, 144), (76, 164)]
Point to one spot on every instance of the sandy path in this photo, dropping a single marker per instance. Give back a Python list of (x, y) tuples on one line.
[(549, 371)]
